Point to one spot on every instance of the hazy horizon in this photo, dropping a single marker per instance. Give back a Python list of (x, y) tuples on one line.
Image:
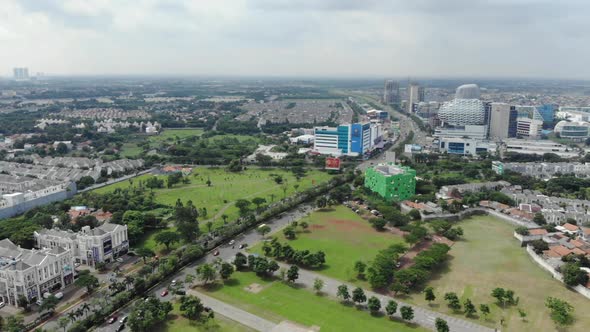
[(298, 39)]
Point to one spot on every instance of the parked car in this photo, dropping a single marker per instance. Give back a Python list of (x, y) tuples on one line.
[(2, 304), (112, 319), (181, 292), (243, 245), (76, 264), (173, 282), (59, 295), (121, 327), (375, 212), (120, 260), (216, 253), (232, 242), (164, 293), (123, 320)]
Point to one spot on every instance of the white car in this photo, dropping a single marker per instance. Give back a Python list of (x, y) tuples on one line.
[(120, 260), (232, 242), (2, 304)]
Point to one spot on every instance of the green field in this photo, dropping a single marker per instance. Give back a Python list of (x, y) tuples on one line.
[(491, 257), (344, 237), (130, 150), (172, 134), (178, 323), (228, 187), (278, 301)]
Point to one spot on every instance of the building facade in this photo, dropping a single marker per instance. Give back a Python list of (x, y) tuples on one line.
[(357, 139), (32, 273), (503, 122), (89, 246), (415, 96), (391, 93), (577, 130), (390, 181)]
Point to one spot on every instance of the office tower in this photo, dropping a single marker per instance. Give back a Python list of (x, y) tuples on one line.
[(529, 122), (465, 109), (547, 111), (391, 93), (502, 121), (415, 96), (21, 73)]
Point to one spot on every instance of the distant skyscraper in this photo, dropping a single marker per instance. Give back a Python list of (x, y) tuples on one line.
[(502, 121), (391, 93), (547, 111), (415, 96), (21, 73)]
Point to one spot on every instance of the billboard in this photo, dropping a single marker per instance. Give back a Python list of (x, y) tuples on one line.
[(333, 163)]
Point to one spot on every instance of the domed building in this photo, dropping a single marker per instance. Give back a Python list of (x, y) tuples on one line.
[(465, 109)]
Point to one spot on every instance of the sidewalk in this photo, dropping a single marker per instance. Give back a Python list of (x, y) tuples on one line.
[(239, 315)]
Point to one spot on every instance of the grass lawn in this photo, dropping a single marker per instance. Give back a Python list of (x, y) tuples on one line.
[(491, 257), (226, 188), (178, 323), (130, 150), (344, 237), (148, 241), (278, 301), (171, 134)]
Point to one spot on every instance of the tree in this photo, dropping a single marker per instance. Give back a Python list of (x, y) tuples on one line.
[(343, 292), (167, 238), (209, 225), (61, 148), (318, 284), (407, 313), (206, 272), (23, 302), (522, 314), (243, 205), (289, 232), (191, 307), (573, 275), (49, 303), (240, 261), (358, 296), (441, 325), (224, 217), (293, 273), (258, 201), (484, 309), (144, 252), (414, 214), (561, 311), (359, 268), (378, 223), (226, 270), (429, 295), (304, 225), (63, 322), (469, 308), (85, 279), (263, 230), (499, 294), (321, 202), (374, 305), (391, 308), (539, 219), (453, 301)]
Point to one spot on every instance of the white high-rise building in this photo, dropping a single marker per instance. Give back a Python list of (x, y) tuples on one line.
[(415, 96)]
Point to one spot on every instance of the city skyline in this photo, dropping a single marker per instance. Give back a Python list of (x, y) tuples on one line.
[(296, 38)]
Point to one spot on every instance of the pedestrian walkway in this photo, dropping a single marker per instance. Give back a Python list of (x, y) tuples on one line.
[(239, 315)]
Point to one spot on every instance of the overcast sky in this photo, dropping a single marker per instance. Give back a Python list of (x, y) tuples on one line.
[(323, 38)]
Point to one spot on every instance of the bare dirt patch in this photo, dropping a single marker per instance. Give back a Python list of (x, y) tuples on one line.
[(315, 226), (287, 326), (349, 225), (254, 288)]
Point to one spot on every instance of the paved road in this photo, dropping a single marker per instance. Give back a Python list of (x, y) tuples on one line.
[(227, 253), (239, 315)]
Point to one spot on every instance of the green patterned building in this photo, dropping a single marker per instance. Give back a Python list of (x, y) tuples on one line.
[(392, 182)]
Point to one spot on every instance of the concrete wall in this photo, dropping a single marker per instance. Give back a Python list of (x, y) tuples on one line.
[(541, 262), (11, 211)]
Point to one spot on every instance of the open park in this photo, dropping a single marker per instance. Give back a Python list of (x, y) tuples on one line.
[(344, 236), (132, 148), (225, 189), (278, 301), (179, 323)]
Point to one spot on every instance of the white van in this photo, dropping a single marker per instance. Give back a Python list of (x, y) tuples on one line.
[(59, 295)]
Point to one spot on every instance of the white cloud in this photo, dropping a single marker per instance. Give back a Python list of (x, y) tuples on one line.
[(296, 37)]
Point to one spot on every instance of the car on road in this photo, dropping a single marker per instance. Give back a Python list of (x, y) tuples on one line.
[(120, 260), (120, 328), (216, 253), (123, 320), (164, 293), (232, 242), (76, 264), (181, 292), (173, 282), (243, 245), (2, 304), (112, 319)]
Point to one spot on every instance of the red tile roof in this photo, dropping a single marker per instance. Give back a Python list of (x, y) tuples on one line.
[(570, 227), (538, 231), (560, 250), (551, 253)]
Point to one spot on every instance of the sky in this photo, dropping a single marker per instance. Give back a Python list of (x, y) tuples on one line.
[(305, 38)]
